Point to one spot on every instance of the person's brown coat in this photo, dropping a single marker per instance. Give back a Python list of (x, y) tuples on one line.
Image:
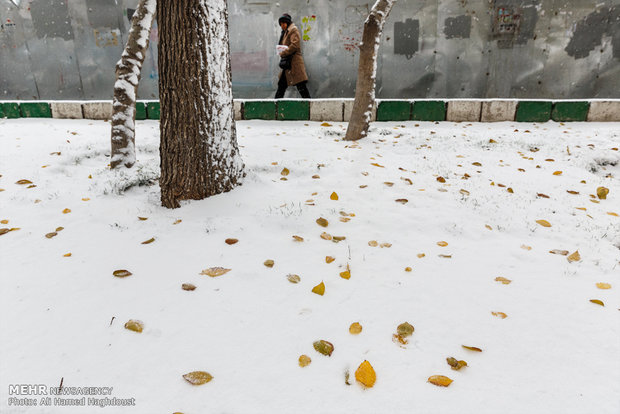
[(297, 72)]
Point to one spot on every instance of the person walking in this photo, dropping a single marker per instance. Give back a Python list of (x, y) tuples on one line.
[(291, 61)]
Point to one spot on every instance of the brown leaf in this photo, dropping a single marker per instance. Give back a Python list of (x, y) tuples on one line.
[(405, 330), (215, 271), (337, 239), (440, 380), (456, 364), (122, 273), (326, 236), (269, 263), (188, 287), (542, 195), (52, 234), (198, 377), (285, 171), (293, 278), (377, 165), (560, 252), (143, 218), (472, 348), (134, 325), (386, 245), (231, 241), (298, 238), (177, 221), (323, 347), (477, 164), (4, 231), (149, 241), (441, 179), (373, 243), (322, 222), (572, 192), (402, 201), (23, 182)]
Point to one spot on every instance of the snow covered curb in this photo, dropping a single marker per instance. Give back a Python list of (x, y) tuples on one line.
[(338, 110)]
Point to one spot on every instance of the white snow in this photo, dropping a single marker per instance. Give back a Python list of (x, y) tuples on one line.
[(556, 352)]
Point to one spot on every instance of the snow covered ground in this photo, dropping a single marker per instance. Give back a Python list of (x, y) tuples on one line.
[(546, 348)]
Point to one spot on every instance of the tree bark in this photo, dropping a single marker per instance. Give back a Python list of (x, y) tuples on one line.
[(367, 70), (128, 70), (198, 147)]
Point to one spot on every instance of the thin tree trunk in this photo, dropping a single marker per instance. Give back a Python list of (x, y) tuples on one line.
[(128, 71), (367, 70), (198, 148)]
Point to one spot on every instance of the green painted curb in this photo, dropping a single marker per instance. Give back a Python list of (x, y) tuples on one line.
[(429, 111), (152, 110), (259, 110), (140, 111), (10, 110), (570, 111), (533, 111), (293, 110), (394, 111), (35, 110)]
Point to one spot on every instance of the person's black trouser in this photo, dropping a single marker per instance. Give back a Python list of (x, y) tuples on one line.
[(283, 84)]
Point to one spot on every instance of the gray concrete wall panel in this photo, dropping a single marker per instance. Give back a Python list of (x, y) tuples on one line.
[(524, 49)]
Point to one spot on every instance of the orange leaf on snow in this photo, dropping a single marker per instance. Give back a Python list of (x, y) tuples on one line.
[(440, 380)]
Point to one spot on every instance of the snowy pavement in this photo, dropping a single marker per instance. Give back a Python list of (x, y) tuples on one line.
[(468, 232)]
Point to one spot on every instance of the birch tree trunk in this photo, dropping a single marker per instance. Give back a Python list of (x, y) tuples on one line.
[(198, 148), (367, 70), (128, 71)]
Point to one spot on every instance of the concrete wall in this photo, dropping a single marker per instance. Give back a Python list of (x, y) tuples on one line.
[(550, 49)]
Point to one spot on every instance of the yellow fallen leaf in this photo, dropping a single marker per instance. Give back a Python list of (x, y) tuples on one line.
[(304, 360), (322, 222), (581, 208), (293, 278), (421, 255), (326, 124), (503, 280), (52, 234), (149, 241), (603, 285), (611, 213), (66, 211), (215, 271), (598, 302), (405, 330), (177, 221), (134, 325), (269, 263), (334, 196), (285, 171), (500, 315), (387, 245), (408, 269), (575, 257), (67, 255), (557, 173), (346, 274), (329, 259), (472, 348), (602, 192), (365, 374), (326, 236), (298, 238), (439, 380), (122, 273), (543, 223), (4, 221), (373, 243), (86, 199), (319, 289), (188, 287), (441, 179), (442, 243), (23, 182), (355, 328), (198, 377)]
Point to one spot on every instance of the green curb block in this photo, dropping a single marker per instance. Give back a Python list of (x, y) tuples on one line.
[(570, 111), (152, 110), (259, 110), (429, 111), (394, 111), (35, 110), (533, 111), (10, 110), (140, 111), (293, 110)]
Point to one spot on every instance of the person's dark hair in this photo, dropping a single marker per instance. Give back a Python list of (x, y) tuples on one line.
[(285, 18)]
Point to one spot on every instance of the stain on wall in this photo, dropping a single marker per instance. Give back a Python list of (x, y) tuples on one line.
[(407, 37), (588, 33), (457, 27), (513, 22), (103, 13), (50, 18)]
